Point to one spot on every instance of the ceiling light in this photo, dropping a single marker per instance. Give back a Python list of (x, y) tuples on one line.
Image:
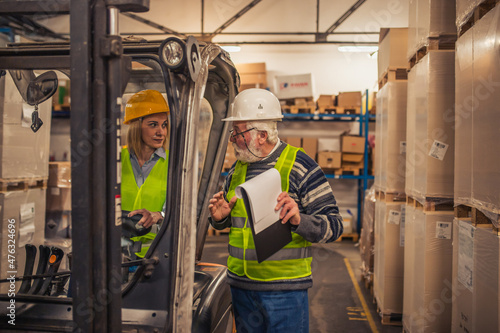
[(231, 48), (358, 48)]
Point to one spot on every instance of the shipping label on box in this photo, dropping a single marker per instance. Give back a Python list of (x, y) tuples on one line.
[(294, 86), (330, 159)]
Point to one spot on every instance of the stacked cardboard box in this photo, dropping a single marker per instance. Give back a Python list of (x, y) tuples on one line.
[(431, 24), (350, 102), (430, 127), (389, 254), (58, 218), (353, 148), (23, 222), (366, 243), (476, 278), (252, 75), (427, 270), (309, 144), (476, 117), (23, 153), (390, 136)]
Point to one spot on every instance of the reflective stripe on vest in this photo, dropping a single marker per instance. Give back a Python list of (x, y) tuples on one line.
[(151, 195), (293, 261)]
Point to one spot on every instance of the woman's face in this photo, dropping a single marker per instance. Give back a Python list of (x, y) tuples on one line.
[(154, 130)]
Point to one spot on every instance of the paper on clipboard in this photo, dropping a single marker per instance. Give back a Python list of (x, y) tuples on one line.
[(262, 193)]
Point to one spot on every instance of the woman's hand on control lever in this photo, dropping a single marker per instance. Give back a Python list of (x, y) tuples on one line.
[(148, 218)]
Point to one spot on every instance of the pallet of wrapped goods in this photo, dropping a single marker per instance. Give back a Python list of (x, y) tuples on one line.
[(485, 183), (367, 243), (390, 138), (23, 153), (475, 284), (431, 27), (471, 11), (430, 127), (428, 261), (389, 254), (22, 222)]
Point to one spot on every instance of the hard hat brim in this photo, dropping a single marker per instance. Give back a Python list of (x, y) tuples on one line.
[(252, 119)]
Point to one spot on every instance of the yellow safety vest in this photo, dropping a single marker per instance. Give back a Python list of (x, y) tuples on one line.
[(151, 195), (291, 262)]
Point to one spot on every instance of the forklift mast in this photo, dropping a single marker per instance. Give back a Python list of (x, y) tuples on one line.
[(161, 293)]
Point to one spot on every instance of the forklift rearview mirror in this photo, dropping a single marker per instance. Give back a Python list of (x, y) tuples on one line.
[(41, 88)]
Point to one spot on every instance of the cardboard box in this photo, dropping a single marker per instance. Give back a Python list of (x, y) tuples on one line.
[(389, 257), (392, 49), (330, 159), (24, 154), (310, 146), (352, 160), (259, 80), (324, 101), (430, 127), (464, 86), (26, 211), (353, 144), (349, 99), (251, 68), (329, 144), (433, 18), (428, 270), (295, 141), (60, 174), (294, 86), (252, 75), (390, 136), (485, 120), (58, 199)]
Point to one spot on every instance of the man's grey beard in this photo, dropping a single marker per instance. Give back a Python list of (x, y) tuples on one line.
[(244, 155)]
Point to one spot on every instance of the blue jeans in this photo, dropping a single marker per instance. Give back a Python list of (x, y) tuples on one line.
[(270, 311)]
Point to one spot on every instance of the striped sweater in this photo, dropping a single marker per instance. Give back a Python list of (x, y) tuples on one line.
[(320, 221)]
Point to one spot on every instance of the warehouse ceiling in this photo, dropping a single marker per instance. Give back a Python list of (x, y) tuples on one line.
[(240, 21)]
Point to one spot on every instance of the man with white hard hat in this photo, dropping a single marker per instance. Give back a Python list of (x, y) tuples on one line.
[(271, 296)]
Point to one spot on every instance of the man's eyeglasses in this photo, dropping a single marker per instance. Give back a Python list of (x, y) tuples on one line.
[(235, 134)]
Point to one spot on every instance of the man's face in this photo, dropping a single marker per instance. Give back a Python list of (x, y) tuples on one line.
[(245, 142)]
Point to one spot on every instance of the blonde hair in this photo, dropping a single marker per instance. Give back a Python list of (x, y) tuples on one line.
[(134, 136)]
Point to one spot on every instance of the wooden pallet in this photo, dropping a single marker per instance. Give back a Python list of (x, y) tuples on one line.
[(22, 184), (442, 42), (353, 236), (390, 196), (431, 204), (393, 319), (477, 13), (346, 172), (213, 232), (477, 217), (392, 74), (389, 318)]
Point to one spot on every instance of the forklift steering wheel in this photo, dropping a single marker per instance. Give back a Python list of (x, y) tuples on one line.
[(129, 225)]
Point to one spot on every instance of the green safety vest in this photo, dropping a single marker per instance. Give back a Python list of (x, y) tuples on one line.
[(151, 195), (291, 262)]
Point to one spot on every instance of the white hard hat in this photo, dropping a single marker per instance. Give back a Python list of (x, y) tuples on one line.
[(255, 104)]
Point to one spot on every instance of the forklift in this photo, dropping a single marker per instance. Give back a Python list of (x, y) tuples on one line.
[(170, 289)]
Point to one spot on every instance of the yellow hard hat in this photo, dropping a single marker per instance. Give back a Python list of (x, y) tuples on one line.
[(143, 104)]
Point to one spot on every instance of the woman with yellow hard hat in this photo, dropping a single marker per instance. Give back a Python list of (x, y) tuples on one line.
[(145, 162)]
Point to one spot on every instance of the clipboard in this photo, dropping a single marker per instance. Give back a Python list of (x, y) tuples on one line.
[(259, 196)]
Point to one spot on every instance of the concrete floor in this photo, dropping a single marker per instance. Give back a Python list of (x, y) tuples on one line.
[(335, 304)]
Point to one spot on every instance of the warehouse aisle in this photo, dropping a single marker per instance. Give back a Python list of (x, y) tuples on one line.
[(336, 303)]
